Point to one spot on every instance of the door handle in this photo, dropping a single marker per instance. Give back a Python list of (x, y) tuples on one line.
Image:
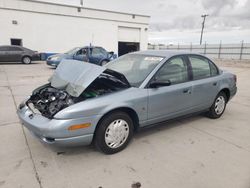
[(215, 83)]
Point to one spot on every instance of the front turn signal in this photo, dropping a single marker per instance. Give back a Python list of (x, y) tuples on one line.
[(79, 126)]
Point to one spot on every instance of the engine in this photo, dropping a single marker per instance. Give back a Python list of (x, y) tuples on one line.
[(48, 101)]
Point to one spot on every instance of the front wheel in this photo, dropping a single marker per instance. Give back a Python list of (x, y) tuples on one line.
[(218, 107), (114, 132), (104, 62), (26, 60)]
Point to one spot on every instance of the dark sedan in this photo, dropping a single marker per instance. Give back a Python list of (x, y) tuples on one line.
[(18, 54)]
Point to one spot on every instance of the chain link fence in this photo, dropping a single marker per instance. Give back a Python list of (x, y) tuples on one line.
[(221, 51)]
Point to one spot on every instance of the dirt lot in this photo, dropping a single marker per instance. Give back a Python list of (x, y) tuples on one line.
[(193, 153)]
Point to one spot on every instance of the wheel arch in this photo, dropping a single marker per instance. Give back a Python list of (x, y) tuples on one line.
[(227, 92), (26, 55), (104, 59), (131, 112)]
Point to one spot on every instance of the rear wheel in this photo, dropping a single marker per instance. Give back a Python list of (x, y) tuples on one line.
[(219, 106), (26, 60), (114, 132)]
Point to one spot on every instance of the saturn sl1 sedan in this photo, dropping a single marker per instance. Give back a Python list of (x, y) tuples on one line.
[(84, 103)]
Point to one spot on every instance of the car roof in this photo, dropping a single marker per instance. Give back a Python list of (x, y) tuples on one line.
[(164, 53), (11, 46), (91, 47), (24, 48)]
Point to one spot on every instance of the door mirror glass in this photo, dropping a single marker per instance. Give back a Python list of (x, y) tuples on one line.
[(156, 84)]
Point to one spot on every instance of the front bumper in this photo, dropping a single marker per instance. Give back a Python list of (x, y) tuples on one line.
[(52, 63), (36, 57), (55, 131)]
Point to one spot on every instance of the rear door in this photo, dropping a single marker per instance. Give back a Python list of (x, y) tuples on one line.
[(205, 81), (97, 54), (170, 101)]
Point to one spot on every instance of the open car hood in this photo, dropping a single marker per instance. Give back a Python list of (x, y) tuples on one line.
[(75, 76)]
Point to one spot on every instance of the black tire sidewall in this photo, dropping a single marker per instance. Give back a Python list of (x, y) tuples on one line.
[(101, 129), (212, 113), (24, 58)]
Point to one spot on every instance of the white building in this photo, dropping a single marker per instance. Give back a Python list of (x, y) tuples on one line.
[(50, 27)]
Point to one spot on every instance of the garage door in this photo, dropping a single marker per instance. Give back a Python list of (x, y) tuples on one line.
[(128, 34)]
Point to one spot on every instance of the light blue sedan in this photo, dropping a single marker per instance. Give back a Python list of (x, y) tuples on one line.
[(85, 103)]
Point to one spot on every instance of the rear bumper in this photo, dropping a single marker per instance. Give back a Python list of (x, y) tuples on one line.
[(55, 131)]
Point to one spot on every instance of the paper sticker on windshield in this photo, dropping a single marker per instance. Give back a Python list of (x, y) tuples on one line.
[(153, 58)]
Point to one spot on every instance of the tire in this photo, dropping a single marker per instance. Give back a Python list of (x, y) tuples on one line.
[(26, 60), (117, 124), (218, 107), (104, 62)]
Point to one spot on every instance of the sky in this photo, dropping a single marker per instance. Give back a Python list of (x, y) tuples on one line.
[(179, 21)]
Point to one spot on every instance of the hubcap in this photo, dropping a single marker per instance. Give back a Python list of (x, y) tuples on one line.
[(26, 60), (116, 133), (219, 105)]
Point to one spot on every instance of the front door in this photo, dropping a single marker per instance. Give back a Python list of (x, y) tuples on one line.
[(82, 55), (170, 101)]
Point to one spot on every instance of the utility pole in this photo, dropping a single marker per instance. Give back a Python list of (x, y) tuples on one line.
[(202, 26), (81, 2)]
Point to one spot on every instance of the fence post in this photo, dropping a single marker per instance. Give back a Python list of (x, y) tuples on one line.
[(219, 51), (191, 47), (241, 49), (205, 48)]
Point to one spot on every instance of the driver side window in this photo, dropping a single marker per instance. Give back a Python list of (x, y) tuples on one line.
[(174, 70), (82, 52)]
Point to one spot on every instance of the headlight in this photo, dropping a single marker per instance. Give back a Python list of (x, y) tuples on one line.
[(54, 58)]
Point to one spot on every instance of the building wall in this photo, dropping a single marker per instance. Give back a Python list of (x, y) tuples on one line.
[(48, 27)]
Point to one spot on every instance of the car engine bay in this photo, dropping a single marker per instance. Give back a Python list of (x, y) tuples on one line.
[(49, 100)]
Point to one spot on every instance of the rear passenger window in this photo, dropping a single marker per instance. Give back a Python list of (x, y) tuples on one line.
[(15, 48), (200, 67), (214, 70)]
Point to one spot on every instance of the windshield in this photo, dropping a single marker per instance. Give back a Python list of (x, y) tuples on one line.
[(135, 67), (73, 51)]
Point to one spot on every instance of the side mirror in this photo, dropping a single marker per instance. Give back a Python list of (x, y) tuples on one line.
[(156, 84)]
